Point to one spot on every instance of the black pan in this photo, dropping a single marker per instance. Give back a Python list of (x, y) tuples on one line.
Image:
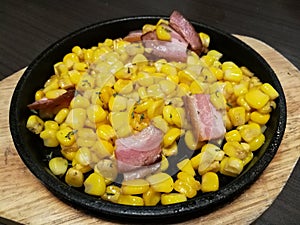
[(35, 155)]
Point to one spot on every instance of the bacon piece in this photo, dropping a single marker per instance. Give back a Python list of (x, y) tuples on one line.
[(206, 121), (173, 50), (141, 149), (186, 30), (134, 36), (49, 107)]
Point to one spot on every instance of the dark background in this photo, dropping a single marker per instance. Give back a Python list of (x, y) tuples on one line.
[(28, 27)]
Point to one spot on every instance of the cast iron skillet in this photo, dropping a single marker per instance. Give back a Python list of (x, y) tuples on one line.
[(34, 154)]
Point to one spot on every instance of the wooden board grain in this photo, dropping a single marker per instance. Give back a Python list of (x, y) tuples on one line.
[(24, 199)]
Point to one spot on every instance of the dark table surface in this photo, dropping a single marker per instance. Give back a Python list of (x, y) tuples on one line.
[(28, 27)]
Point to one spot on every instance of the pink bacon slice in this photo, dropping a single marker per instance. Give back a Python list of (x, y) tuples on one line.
[(206, 121)]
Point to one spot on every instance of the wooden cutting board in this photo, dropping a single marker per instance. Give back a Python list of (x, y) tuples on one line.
[(24, 199)]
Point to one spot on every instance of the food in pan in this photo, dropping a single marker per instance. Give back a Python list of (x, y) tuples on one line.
[(151, 118)]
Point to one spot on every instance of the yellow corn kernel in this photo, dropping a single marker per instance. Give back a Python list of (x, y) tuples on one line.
[(167, 86), (96, 113), (155, 109), (246, 71), (69, 59), (231, 166), (205, 39), (269, 90), (233, 135), (256, 98), (235, 149), (186, 166), (163, 33), (148, 27), (210, 182), (50, 124), (39, 95), (267, 108), (196, 160), (83, 156), (232, 72), (74, 177), (112, 193), (61, 115), (58, 166), (240, 89), (164, 164), (77, 50), (94, 184), (79, 101), (242, 102), (167, 113), (75, 76), (237, 115), (248, 158), (218, 73), (140, 59), (161, 182), (170, 150), (133, 187), (218, 100), (172, 198), (35, 124), (185, 77), (107, 168), (49, 137), (151, 197), (76, 118), (259, 117), (103, 148), (66, 136), (249, 131), (210, 153), (86, 82), (130, 200), (80, 66), (69, 152), (185, 188), (106, 132), (51, 84), (123, 86), (257, 142), (196, 87), (171, 136), (190, 141), (60, 68)]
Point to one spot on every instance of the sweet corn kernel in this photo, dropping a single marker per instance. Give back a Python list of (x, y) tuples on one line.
[(35, 124), (94, 184), (134, 187), (151, 197), (58, 166), (61, 115), (257, 142), (39, 95), (171, 136), (249, 131), (259, 117), (172, 198), (205, 39), (66, 136), (191, 142), (49, 137), (130, 200), (237, 115), (170, 150), (184, 188), (269, 90), (231, 166), (161, 182), (256, 98), (186, 166), (74, 177), (96, 114), (210, 182), (235, 149), (163, 33), (233, 135), (112, 193)]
